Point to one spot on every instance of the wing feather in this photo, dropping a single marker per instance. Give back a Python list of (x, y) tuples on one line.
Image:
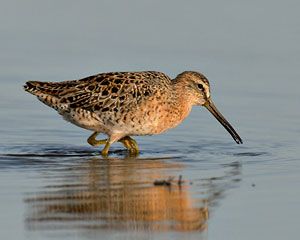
[(102, 91)]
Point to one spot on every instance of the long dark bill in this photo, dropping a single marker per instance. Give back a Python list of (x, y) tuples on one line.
[(213, 109)]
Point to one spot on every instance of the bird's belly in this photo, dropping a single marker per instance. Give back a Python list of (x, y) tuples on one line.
[(152, 128), (151, 124), (153, 117), (149, 119), (84, 119)]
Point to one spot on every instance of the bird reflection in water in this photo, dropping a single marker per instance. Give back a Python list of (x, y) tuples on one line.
[(117, 194)]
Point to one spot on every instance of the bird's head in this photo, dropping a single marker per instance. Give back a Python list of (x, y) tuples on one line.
[(197, 87)]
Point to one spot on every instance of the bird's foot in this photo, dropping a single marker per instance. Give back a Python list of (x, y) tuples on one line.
[(130, 144), (127, 141)]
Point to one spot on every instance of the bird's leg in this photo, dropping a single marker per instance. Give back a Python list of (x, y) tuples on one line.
[(127, 141), (104, 152), (92, 140), (112, 138), (134, 145), (130, 144)]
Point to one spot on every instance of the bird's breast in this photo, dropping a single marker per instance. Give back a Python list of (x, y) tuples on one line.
[(172, 117), (155, 117)]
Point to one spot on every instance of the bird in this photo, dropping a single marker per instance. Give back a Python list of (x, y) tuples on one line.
[(126, 104)]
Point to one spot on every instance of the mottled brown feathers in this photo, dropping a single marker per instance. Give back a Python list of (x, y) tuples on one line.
[(102, 91), (122, 103)]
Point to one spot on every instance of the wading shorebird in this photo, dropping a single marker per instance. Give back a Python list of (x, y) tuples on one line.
[(125, 104)]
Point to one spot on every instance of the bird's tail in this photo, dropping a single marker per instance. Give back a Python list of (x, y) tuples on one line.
[(44, 91), (32, 87), (36, 88)]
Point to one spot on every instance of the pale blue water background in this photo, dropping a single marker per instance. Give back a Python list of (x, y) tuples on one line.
[(54, 186)]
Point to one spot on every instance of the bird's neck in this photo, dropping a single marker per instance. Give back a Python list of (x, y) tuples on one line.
[(182, 93), (183, 103), (175, 109)]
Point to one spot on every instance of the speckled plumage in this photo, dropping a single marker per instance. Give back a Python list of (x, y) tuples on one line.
[(122, 104)]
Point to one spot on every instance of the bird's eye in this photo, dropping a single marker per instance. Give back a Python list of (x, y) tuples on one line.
[(200, 86)]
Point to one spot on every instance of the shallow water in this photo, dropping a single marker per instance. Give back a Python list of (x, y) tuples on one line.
[(53, 185)]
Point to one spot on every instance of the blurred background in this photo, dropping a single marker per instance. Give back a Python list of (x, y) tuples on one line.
[(249, 50)]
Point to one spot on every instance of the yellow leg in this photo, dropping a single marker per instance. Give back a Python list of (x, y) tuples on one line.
[(92, 140), (104, 152), (130, 144), (127, 141)]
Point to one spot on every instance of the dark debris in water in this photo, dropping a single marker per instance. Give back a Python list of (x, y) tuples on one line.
[(169, 181)]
